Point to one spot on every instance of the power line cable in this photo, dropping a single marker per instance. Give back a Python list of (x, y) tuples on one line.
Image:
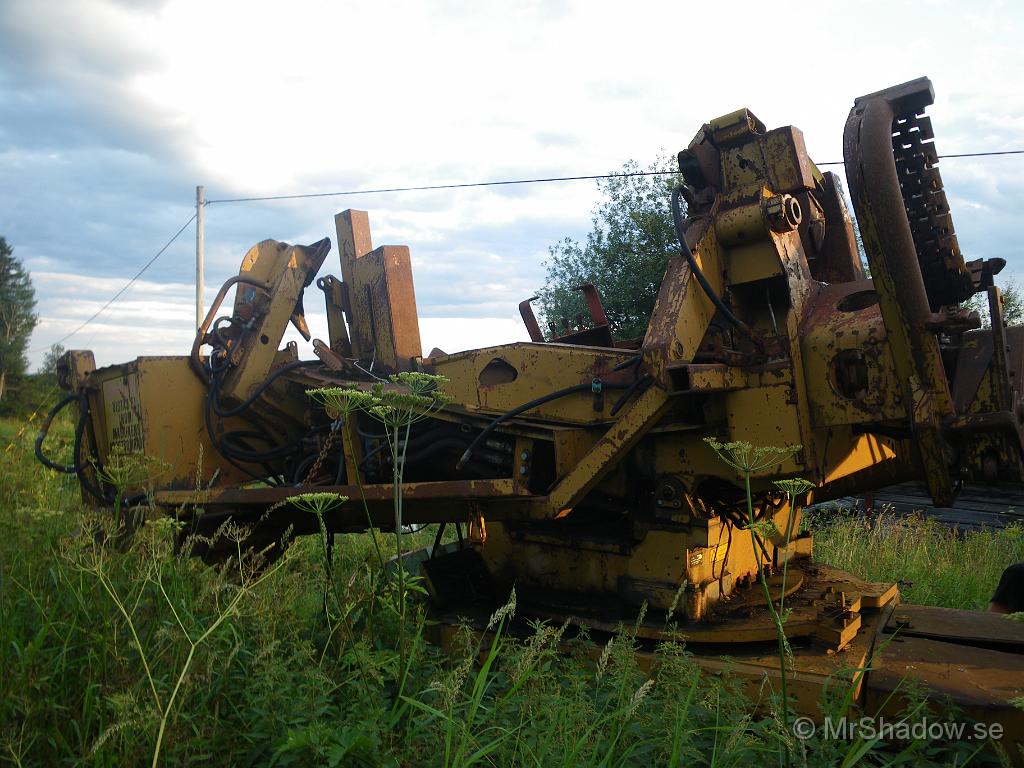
[(953, 156), (428, 187), (126, 286), (424, 188), (509, 182)]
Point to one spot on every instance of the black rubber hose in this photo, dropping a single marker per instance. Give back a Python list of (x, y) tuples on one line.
[(430, 434), (640, 385), (631, 362), (243, 452), (105, 496), (44, 429), (260, 389), (237, 445), (216, 443), (527, 406), (438, 445), (677, 219), (437, 540), (93, 490), (86, 483), (78, 468), (231, 444), (303, 465), (81, 463)]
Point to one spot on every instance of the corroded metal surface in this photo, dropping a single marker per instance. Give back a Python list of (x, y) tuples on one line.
[(979, 681), (895, 270)]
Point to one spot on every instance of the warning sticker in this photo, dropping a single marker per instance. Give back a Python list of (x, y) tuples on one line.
[(124, 414)]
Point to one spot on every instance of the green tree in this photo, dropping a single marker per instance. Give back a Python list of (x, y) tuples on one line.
[(624, 254), (49, 366), (1013, 305), (17, 300)]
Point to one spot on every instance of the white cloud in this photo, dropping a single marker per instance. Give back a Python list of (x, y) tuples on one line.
[(156, 319), (122, 108)]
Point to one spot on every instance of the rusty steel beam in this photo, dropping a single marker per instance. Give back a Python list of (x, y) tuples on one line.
[(471, 489), (334, 299), (354, 242), (530, 319), (378, 296), (430, 502), (635, 421), (594, 305)]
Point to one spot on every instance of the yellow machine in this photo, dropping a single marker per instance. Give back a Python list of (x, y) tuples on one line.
[(580, 463)]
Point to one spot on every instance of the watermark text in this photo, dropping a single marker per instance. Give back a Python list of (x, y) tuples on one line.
[(882, 729)]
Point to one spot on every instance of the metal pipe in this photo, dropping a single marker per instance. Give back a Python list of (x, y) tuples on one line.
[(204, 325)]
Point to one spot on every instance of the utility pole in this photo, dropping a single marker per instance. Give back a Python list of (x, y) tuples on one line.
[(200, 254)]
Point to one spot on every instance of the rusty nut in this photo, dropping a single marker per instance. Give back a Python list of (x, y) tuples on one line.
[(782, 212)]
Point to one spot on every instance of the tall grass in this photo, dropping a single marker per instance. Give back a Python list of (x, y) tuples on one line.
[(114, 658), (933, 564)]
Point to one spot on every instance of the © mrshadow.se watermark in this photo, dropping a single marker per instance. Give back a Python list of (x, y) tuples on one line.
[(871, 728)]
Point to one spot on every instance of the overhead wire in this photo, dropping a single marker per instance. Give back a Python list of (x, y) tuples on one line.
[(422, 188), (55, 387), (429, 187), (509, 182), (125, 287)]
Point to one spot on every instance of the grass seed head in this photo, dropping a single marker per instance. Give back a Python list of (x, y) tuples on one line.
[(507, 610)]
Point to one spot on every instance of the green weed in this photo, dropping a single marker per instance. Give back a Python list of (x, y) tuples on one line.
[(933, 564), (145, 656)]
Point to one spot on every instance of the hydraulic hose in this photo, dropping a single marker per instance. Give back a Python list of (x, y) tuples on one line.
[(44, 429), (234, 445), (259, 390), (640, 385), (533, 404), (80, 463), (677, 219), (207, 410)]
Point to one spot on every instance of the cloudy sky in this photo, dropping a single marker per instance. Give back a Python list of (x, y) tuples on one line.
[(114, 111)]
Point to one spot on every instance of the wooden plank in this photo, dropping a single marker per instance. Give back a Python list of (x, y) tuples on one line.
[(379, 297), (967, 627), (354, 242)]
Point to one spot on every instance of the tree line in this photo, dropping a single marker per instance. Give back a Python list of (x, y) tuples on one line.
[(20, 392)]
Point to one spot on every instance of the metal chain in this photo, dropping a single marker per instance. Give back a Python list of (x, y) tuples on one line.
[(328, 443)]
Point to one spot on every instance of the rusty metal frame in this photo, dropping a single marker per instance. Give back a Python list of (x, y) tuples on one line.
[(892, 255), (428, 502), (334, 299), (530, 319), (642, 414)]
